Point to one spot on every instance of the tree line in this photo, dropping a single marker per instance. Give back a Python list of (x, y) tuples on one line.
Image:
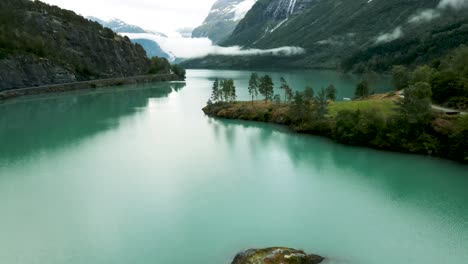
[(412, 126), (163, 66), (447, 78), (223, 91)]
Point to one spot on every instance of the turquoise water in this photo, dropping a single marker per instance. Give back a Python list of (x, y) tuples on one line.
[(139, 174)]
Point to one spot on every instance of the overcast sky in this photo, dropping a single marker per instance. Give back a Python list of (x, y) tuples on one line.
[(158, 15)]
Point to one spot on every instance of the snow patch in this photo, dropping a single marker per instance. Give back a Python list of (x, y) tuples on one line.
[(289, 13), (241, 9), (279, 25)]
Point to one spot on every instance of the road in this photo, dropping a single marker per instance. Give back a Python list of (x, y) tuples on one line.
[(439, 108)]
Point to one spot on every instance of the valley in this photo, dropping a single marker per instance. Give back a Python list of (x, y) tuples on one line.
[(234, 131)]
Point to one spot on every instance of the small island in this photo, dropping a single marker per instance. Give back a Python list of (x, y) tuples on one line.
[(276, 255)]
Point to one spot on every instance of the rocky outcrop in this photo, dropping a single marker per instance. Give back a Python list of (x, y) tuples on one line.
[(42, 44), (276, 255), (28, 70)]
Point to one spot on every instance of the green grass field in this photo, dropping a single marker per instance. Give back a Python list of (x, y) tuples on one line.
[(387, 107)]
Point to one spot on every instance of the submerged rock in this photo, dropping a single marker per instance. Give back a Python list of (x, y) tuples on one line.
[(276, 255)]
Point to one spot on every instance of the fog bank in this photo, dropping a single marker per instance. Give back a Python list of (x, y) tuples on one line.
[(189, 48)]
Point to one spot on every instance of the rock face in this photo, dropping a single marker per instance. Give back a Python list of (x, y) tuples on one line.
[(276, 255), (28, 70), (223, 18), (332, 30), (42, 44)]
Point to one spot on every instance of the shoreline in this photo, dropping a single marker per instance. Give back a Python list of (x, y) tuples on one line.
[(278, 115), (92, 84)]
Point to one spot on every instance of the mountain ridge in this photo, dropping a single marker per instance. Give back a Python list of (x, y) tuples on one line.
[(152, 48), (42, 44), (331, 31), (222, 19)]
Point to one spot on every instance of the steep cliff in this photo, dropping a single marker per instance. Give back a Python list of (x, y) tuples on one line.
[(332, 30), (223, 18), (42, 44), (265, 17)]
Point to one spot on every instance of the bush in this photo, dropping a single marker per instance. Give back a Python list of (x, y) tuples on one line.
[(359, 127), (159, 66), (446, 85)]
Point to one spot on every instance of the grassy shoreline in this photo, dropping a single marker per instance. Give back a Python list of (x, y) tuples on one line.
[(363, 131)]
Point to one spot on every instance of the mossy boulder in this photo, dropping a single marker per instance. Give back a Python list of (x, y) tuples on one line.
[(276, 255)]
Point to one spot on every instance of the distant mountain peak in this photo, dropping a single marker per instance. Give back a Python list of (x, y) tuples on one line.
[(118, 25), (223, 18), (137, 35)]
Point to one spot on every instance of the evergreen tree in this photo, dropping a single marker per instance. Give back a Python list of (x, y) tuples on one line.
[(253, 86), (331, 92), (266, 87), (223, 90), (232, 90), (362, 89), (289, 95), (215, 92), (227, 91)]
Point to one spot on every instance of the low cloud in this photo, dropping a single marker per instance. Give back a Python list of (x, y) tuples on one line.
[(387, 37), (189, 48), (425, 16), (430, 14), (242, 8), (456, 4)]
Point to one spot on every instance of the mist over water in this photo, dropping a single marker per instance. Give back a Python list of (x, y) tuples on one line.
[(139, 174), (188, 48)]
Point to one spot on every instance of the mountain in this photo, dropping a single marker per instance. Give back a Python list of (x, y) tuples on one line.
[(137, 35), (185, 32), (118, 25), (333, 30), (265, 18), (151, 47), (424, 46), (42, 44), (222, 19)]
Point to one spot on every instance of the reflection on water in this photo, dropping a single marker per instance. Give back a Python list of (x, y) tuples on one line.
[(42, 124), (299, 80), (141, 175)]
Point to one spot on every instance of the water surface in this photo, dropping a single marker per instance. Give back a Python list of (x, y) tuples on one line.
[(139, 174)]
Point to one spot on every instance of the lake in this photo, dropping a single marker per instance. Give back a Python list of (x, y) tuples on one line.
[(138, 174)]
